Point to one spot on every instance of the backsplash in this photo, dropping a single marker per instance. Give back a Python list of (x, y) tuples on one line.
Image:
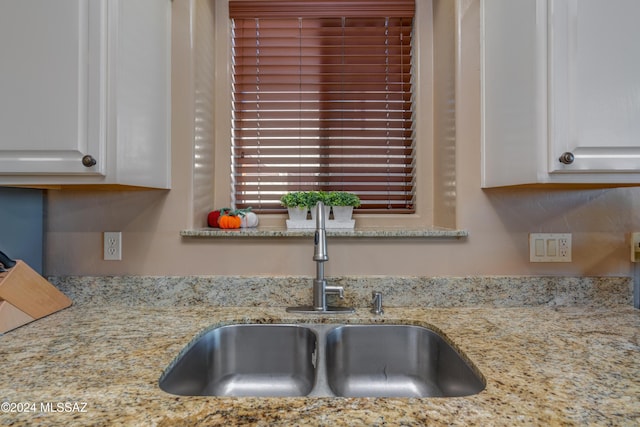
[(281, 291)]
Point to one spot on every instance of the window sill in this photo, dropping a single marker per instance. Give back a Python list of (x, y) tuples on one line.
[(432, 233)]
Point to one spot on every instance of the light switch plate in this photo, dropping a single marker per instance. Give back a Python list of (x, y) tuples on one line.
[(550, 247)]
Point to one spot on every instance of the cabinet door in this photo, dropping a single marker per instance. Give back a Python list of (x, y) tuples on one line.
[(51, 86), (514, 91), (594, 85)]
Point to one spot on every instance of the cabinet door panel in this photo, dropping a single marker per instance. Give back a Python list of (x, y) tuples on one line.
[(595, 85), (50, 86)]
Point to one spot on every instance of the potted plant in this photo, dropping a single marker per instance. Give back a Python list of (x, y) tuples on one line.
[(296, 204), (342, 204), (313, 197)]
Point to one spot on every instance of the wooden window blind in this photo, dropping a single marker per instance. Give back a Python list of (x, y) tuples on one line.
[(322, 101)]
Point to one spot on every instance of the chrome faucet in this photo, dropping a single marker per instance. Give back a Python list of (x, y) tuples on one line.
[(320, 287)]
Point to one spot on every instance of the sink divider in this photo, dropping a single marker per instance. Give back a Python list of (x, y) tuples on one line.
[(321, 386)]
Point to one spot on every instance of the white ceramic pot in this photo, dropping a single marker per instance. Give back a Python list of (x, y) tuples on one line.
[(342, 213), (297, 213)]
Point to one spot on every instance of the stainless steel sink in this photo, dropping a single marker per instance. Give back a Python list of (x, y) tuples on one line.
[(396, 361), (246, 360), (321, 360)]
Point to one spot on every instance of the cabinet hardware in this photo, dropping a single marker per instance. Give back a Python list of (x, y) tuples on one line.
[(567, 158), (88, 161)]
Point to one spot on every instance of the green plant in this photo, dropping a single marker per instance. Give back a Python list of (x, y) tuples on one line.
[(342, 198), (294, 199), (313, 197), (309, 199), (303, 199)]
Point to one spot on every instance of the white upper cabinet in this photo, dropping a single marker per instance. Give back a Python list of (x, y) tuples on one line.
[(85, 92), (560, 92)]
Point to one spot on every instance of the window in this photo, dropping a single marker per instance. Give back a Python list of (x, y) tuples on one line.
[(323, 102)]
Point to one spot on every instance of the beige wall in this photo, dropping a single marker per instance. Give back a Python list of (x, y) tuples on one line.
[(498, 220)]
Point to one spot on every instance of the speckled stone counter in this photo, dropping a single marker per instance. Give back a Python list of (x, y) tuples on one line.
[(398, 291), (576, 364), (432, 233)]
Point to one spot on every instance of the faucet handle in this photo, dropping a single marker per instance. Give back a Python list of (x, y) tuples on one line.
[(335, 290)]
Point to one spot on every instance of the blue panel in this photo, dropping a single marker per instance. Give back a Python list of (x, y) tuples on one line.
[(21, 225)]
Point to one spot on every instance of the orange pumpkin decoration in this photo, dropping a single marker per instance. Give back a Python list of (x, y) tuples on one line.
[(229, 221)]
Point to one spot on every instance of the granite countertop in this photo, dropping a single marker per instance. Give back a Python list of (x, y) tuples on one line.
[(281, 231), (99, 364)]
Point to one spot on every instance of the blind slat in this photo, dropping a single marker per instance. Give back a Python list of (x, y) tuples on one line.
[(319, 8)]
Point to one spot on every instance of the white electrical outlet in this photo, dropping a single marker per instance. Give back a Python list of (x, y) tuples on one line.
[(112, 246), (550, 247), (635, 247)]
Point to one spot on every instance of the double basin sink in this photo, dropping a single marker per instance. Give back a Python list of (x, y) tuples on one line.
[(353, 360)]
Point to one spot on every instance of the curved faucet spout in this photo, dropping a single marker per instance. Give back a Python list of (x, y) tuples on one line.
[(320, 237)]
